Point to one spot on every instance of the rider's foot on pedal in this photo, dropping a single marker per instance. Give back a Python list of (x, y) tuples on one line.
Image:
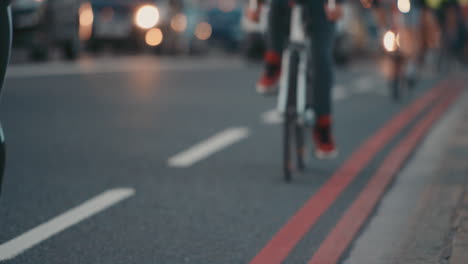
[(269, 79), (325, 145)]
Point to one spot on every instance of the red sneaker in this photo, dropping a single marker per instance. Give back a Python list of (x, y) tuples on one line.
[(270, 77), (325, 145)]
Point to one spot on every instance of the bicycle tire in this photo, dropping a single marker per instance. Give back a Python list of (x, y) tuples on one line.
[(300, 146), (290, 118), (287, 153)]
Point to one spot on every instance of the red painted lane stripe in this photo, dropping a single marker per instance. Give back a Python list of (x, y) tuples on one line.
[(279, 247), (342, 235)]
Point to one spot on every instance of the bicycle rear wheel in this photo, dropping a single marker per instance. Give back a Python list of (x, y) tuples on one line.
[(288, 125)]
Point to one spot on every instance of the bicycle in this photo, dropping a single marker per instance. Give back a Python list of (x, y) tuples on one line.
[(397, 80), (397, 58), (292, 99)]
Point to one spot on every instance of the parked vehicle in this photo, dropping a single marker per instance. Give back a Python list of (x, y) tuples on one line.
[(187, 30), (41, 24), (225, 19), (122, 23), (167, 26)]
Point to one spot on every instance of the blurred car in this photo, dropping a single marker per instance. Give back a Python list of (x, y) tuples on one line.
[(225, 20), (122, 23), (167, 26), (39, 24), (189, 30)]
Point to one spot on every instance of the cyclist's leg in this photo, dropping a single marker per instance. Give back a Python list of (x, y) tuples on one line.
[(412, 40), (278, 25), (321, 65), (320, 83), (5, 43)]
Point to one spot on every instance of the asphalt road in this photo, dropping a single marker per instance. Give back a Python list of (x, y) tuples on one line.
[(108, 131)]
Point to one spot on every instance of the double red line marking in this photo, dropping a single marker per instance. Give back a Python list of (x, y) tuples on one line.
[(279, 247), (342, 235)]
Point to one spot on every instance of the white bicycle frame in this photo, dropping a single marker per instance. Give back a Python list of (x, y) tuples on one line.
[(297, 40)]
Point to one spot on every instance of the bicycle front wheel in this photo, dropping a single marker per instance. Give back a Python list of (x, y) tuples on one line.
[(290, 131)]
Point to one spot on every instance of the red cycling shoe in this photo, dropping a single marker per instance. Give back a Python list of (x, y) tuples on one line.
[(270, 77), (325, 145)]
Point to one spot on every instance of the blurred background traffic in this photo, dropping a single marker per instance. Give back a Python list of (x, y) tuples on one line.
[(155, 98), (72, 28)]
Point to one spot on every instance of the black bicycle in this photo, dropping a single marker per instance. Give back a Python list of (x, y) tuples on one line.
[(400, 68)]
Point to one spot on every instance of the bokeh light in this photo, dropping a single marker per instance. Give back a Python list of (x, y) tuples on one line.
[(389, 41), (86, 19), (147, 17), (203, 31), (154, 37), (404, 6), (179, 23), (86, 15)]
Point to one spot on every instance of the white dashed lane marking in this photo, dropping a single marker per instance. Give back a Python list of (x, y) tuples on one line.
[(272, 117), (58, 224), (208, 147)]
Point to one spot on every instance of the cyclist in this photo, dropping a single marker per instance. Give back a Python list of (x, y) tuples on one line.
[(414, 30), (5, 43), (320, 25)]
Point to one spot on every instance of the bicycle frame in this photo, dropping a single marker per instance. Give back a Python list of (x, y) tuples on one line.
[(293, 91), (297, 43)]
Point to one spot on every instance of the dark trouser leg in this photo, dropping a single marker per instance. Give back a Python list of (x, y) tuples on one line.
[(278, 25), (321, 61), (5, 44)]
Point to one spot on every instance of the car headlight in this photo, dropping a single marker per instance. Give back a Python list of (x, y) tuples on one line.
[(147, 16), (390, 41)]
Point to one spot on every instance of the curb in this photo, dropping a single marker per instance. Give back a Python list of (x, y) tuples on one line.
[(459, 243)]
